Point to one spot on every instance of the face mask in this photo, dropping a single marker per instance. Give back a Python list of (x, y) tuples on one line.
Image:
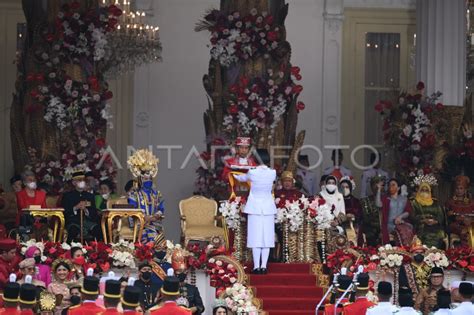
[(182, 277), (160, 255), (331, 188), (146, 275), (148, 184), (105, 196), (81, 184), (418, 258), (79, 261), (75, 300), (346, 192), (31, 185), (37, 259)]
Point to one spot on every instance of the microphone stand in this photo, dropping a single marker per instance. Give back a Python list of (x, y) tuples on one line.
[(330, 289)]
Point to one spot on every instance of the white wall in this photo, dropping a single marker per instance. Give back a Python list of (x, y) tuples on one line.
[(170, 100)]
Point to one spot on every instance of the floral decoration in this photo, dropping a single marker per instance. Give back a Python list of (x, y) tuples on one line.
[(320, 213), (392, 257), (461, 258), (123, 254), (230, 210), (144, 251), (292, 212), (98, 256), (436, 258), (239, 299), (237, 38), (222, 274), (261, 103), (410, 127)]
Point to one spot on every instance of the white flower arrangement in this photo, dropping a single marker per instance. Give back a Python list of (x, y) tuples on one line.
[(324, 215), (239, 300), (122, 254), (33, 242), (436, 258), (230, 210), (67, 246), (389, 258), (292, 212)]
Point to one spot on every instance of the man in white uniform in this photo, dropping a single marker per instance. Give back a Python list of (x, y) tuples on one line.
[(261, 210), (405, 299), (337, 170), (384, 293), (466, 307)]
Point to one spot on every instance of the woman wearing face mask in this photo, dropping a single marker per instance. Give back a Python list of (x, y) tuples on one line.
[(61, 271), (29, 196), (44, 271), (78, 261), (106, 193), (334, 198), (353, 210)]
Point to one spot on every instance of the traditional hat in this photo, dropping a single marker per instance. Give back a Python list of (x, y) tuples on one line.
[(349, 180), (243, 141), (90, 284), (144, 264), (26, 263), (462, 180), (131, 296), (11, 290), (344, 282), (363, 280), (465, 288), (171, 284), (27, 293), (7, 244), (287, 175), (160, 241), (74, 285), (78, 173), (416, 245), (405, 296), (219, 303), (112, 289), (436, 271), (384, 288)]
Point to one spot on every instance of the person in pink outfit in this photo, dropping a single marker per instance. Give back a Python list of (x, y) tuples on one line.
[(44, 271)]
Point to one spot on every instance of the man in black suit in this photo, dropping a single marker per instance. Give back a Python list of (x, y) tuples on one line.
[(190, 292), (77, 202)]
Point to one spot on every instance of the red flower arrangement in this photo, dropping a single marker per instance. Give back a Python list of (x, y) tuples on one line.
[(53, 251), (339, 259), (222, 274), (144, 252), (235, 38), (461, 258), (98, 256)]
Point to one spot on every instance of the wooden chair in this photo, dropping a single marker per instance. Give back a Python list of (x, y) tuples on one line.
[(199, 219)]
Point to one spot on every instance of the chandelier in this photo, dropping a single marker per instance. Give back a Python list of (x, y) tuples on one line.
[(133, 43)]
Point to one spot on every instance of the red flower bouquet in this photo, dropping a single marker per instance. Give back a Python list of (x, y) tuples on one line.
[(221, 273), (98, 256), (144, 251)]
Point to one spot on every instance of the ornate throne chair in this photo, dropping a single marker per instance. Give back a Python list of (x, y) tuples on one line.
[(199, 220)]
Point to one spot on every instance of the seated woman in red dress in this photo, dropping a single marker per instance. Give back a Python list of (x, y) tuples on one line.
[(29, 196)]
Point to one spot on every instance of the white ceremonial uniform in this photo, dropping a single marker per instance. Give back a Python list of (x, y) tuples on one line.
[(336, 199), (443, 311), (465, 308), (308, 181), (344, 170), (260, 207), (407, 311), (383, 308), (367, 176)]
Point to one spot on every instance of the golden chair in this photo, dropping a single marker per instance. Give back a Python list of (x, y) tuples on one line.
[(123, 229), (199, 219)]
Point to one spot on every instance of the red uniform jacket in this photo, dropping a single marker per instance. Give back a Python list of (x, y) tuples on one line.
[(10, 311), (360, 306), (385, 211), (6, 268), (24, 201), (86, 308), (27, 312), (111, 311), (235, 161), (329, 308), (170, 308)]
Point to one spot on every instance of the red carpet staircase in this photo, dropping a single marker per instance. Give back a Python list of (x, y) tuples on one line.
[(287, 289)]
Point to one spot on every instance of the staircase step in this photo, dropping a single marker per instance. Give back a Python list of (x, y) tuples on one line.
[(285, 268), (264, 291), (279, 303), (287, 279)]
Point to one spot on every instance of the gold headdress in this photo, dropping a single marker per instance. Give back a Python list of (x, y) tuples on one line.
[(425, 179), (143, 162), (55, 263)]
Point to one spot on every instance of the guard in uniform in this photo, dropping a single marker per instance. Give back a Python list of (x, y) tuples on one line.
[(169, 293), (80, 202), (27, 298), (131, 300), (190, 293), (111, 297), (10, 297), (384, 294), (148, 289), (405, 299), (9, 260), (90, 293), (344, 282), (361, 303)]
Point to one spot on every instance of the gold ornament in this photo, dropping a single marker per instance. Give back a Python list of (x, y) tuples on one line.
[(47, 301), (143, 163)]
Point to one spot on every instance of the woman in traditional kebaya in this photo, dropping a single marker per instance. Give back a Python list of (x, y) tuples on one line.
[(61, 270), (43, 271)]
